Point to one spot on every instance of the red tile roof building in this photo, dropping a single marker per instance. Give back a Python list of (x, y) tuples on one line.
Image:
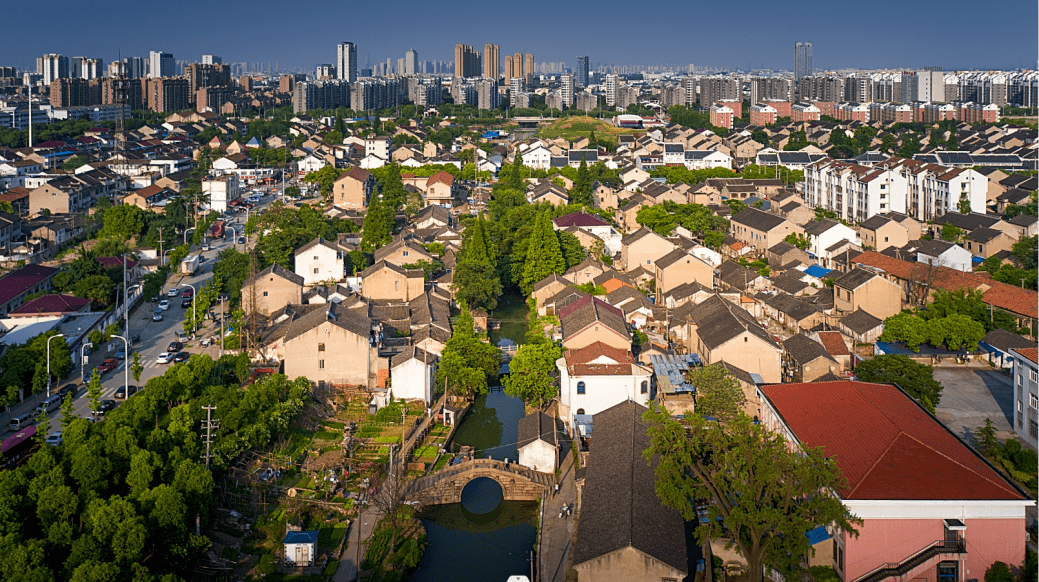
[(55, 304), (924, 496), (17, 284)]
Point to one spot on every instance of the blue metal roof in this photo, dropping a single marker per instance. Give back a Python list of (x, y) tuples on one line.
[(817, 271), (301, 537)]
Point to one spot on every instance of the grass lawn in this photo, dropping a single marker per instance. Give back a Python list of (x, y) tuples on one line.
[(573, 127)]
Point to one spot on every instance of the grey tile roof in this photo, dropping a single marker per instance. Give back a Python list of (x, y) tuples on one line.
[(620, 507), (854, 278), (536, 426), (410, 353), (818, 227), (757, 219), (860, 322), (718, 321), (352, 320), (1004, 340), (595, 311), (318, 241), (804, 350), (276, 271)]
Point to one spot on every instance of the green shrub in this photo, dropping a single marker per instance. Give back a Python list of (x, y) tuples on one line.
[(326, 435)]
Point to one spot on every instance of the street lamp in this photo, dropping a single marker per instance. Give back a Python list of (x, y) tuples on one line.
[(194, 310), (164, 253), (83, 361), (126, 363), (234, 241), (186, 234), (49, 361)]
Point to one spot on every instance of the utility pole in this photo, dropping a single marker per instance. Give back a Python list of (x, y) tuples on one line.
[(208, 425), (161, 260)]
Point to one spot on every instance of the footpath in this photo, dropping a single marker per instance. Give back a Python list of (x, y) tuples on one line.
[(555, 544)]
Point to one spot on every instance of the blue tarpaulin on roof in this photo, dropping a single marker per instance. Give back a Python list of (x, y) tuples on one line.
[(817, 271), (817, 535)]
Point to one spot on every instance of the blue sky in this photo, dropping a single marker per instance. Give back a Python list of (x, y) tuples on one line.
[(879, 34)]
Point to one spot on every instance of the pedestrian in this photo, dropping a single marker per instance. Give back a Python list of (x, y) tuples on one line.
[(557, 489)]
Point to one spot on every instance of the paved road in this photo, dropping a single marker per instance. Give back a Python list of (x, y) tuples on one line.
[(155, 337), (972, 394), (557, 531)]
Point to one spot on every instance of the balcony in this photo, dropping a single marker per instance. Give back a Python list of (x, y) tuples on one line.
[(893, 569)]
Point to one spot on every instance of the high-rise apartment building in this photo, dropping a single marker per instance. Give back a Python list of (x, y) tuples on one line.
[(166, 95), (581, 72), (467, 61), (346, 61), (509, 73), (134, 67), (517, 65), (52, 67), (802, 60), (410, 62), (517, 86), (611, 89), (715, 89), (491, 61), (487, 93), (86, 68), (74, 92), (201, 75), (769, 88), (161, 64), (212, 60), (566, 89), (528, 70)]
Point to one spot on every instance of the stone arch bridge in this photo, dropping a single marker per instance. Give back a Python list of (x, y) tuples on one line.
[(445, 486)]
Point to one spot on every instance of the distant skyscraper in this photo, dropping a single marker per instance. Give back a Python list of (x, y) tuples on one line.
[(161, 64), (491, 61), (467, 61), (802, 60), (528, 70), (52, 67), (566, 89), (612, 81), (411, 62), (581, 72), (212, 60), (346, 61)]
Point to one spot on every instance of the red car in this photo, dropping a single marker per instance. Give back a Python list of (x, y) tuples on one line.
[(187, 294), (108, 365)]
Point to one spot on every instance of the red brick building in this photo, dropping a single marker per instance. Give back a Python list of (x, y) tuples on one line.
[(721, 116), (762, 115)]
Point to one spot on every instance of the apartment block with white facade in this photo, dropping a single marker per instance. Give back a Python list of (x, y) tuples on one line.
[(1026, 394)]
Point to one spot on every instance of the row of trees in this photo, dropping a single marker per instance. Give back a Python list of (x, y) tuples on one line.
[(119, 499), (696, 218)]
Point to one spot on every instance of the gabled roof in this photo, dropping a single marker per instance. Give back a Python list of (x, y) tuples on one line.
[(54, 303), (412, 353), (854, 278), (719, 321), (886, 445), (833, 341), (620, 507), (316, 242), (1004, 340), (804, 349), (757, 219), (579, 219), (578, 316), (534, 427), (276, 271), (352, 320), (20, 280), (860, 321), (301, 537)]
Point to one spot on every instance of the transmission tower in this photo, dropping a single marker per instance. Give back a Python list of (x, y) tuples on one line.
[(120, 96), (209, 425)]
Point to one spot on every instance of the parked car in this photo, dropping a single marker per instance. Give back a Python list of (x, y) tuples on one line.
[(49, 405), (54, 438), (124, 392), (106, 405), (67, 389), (157, 316), (241, 240), (19, 422), (174, 347), (164, 304), (188, 293), (108, 365), (120, 354), (205, 246), (153, 299), (185, 303), (172, 292), (164, 358), (181, 357)]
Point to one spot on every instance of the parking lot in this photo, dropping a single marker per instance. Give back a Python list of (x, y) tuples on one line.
[(972, 394)]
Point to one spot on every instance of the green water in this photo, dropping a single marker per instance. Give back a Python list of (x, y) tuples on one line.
[(495, 545)]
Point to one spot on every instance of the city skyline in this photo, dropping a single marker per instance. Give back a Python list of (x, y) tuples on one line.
[(872, 43)]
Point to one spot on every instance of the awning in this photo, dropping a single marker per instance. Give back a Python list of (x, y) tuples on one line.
[(955, 525)]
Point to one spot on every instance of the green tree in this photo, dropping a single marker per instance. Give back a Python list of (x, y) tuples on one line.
[(999, 572), (952, 233), (378, 226), (906, 328), (760, 136), (985, 436), (910, 146), (324, 178), (136, 368), (798, 240), (718, 393), (916, 379), (43, 427), (123, 222), (94, 391), (544, 255), (888, 143), (764, 494), (532, 373), (476, 283), (964, 204), (68, 412)]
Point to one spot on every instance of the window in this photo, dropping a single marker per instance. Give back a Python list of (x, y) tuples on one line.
[(405, 253), (315, 257), (1032, 375), (396, 285), (885, 239), (645, 387), (1033, 401), (321, 347), (1033, 429), (580, 411), (316, 270), (648, 261), (580, 387), (320, 364), (264, 293)]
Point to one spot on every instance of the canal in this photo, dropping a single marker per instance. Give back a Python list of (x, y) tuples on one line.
[(483, 537)]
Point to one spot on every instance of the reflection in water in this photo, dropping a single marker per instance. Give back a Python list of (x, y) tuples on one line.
[(491, 426), (482, 495), (489, 551)]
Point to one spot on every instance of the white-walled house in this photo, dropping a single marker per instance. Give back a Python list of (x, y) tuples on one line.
[(221, 191), (413, 375), (537, 442), (319, 260), (706, 159), (596, 377), (311, 163), (823, 234), (940, 253), (300, 547)]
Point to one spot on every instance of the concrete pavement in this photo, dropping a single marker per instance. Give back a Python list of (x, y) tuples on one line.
[(353, 554), (555, 542)]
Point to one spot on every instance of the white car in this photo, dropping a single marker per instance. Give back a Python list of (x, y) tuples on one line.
[(172, 292), (54, 438), (164, 358), (164, 304)]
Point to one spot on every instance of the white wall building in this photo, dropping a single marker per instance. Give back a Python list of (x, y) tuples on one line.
[(1026, 394), (319, 260), (221, 191), (597, 377), (413, 375), (706, 160)]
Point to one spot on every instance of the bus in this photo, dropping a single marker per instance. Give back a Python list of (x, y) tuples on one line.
[(17, 448)]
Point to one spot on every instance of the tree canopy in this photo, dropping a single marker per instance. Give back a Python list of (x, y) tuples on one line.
[(915, 378)]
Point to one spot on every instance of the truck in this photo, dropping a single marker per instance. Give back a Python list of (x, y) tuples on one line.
[(190, 264), (218, 229)]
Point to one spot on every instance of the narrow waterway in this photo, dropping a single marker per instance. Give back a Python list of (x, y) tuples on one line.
[(480, 539)]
